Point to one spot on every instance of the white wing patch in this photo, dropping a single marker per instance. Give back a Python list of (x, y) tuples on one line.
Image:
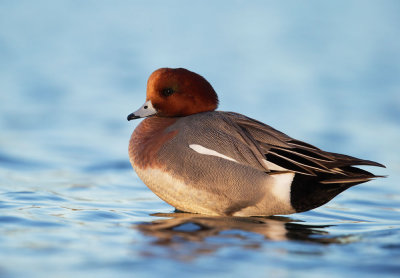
[(202, 150)]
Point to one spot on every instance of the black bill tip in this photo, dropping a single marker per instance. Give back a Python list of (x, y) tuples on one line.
[(132, 116)]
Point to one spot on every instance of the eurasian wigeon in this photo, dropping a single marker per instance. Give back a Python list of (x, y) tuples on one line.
[(223, 163)]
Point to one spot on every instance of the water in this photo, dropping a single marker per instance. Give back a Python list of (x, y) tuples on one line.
[(70, 72)]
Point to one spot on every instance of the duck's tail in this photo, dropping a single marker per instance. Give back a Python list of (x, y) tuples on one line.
[(309, 192)]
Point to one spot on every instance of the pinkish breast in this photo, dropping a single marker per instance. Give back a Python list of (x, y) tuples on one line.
[(147, 139)]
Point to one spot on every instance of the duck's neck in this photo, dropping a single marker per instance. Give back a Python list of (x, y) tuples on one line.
[(148, 138)]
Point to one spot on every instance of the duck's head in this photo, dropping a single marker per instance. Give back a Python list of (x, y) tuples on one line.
[(176, 93)]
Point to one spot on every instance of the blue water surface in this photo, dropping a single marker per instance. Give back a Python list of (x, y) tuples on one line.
[(327, 72)]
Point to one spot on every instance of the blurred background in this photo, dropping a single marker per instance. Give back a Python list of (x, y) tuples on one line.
[(324, 72)]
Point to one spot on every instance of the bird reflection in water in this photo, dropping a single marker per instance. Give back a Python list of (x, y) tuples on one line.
[(188, 235)]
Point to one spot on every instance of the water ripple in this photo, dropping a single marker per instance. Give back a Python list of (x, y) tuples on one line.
[(19, 221)]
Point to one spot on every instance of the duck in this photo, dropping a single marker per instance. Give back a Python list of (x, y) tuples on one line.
[(201, 160)]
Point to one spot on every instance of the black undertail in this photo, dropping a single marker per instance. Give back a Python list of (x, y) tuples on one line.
[(309, 192)]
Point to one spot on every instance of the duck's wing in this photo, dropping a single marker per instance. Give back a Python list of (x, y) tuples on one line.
[(284, 153)]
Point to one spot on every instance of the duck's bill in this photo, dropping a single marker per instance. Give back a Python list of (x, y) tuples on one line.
[(146, 110)]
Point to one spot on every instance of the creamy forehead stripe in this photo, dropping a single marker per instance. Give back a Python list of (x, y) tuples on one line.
[(203, 150)]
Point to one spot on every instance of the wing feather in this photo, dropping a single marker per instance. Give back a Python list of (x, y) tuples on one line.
[(297, 156)]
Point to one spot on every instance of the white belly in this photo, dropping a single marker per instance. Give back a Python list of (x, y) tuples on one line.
[(176, 193)]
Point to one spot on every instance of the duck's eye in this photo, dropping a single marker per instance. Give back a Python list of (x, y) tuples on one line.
[(167, 92)]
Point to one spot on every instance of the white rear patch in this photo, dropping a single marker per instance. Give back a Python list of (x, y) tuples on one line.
[(281, 186), (203, 150)]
